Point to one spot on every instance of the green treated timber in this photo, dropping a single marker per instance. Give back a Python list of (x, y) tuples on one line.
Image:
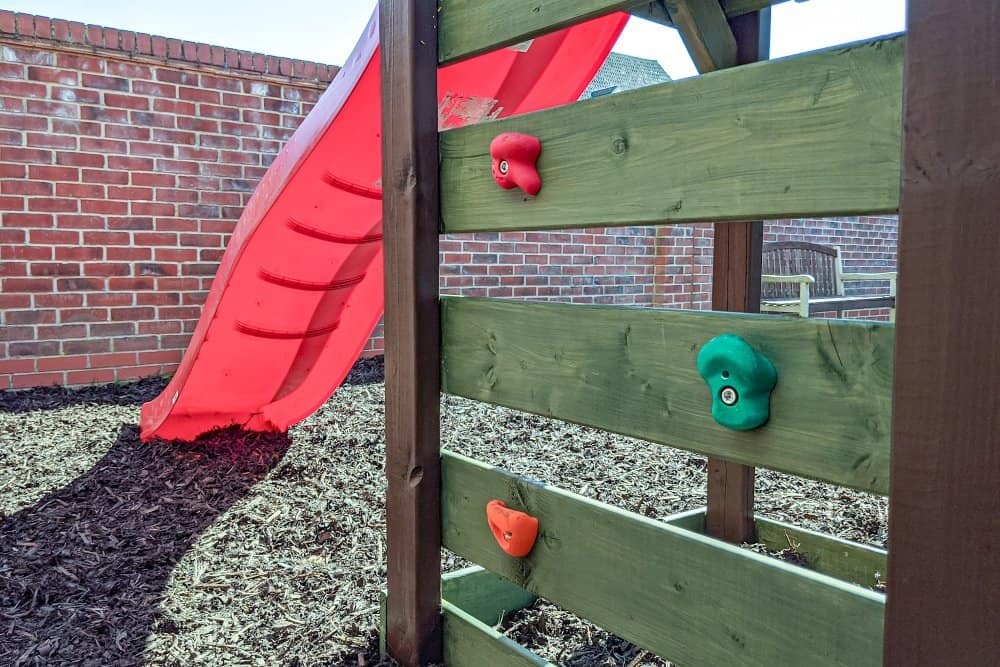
[(690, 520), (688, 598), (468, 28), (632, 371), (484, 595), (858, 563), (809, 135), (479, 593), (470, 643)]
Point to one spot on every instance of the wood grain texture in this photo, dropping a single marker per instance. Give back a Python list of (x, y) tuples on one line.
[(705, 31), (471, 27), (484, 595), (470, 643), (632, 371), (857, 563), (736, 284), (944, 527), (816, 134), (412, 328), (686, 597)]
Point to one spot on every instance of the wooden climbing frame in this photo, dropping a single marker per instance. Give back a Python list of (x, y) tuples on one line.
[(907, 410)]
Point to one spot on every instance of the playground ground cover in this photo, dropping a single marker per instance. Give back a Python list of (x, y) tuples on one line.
[(266, 549)]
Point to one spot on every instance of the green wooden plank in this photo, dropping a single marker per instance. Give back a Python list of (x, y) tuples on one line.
[(693, 520), (484, 595), (632, 371), (469, 27), (816, 134), (689, 598), (858, 563), (471, 643)]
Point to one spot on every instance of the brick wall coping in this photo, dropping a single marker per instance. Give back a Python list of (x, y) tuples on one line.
[(111, 42)]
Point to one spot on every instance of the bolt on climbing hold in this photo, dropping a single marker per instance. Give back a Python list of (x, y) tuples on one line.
[(514, 531), (741, 380), (514, 156)]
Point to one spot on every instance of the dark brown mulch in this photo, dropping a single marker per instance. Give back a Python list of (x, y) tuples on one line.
[(83, 571)]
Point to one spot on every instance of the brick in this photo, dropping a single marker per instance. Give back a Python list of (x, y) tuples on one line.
[(55, 269), (94, 145), (51, 140), (134, 343), (64, 77), (112, 360), (53, 205), (126, 101), (138, 372), (17, 366), (84, 377), (33, 349), (79, 159), (64, 126), (26, 285), (106, 207), (27, 380), (79, 284), (151, 119), (109, 300), (28, 155), (126, 132), (76, 315), (59, 332), (79, 190), (12, 317), (105, 82), (85, 346)]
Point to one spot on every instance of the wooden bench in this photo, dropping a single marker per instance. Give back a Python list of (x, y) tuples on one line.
[(808, 278)]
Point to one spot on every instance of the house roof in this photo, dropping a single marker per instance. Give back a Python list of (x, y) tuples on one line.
[(621, 72)]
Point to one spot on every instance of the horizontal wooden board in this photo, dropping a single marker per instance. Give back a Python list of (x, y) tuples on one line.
[(484, 595), (469, 27), (691, 599), (816, 134), (471, 643), (632, 371), (858, 563)]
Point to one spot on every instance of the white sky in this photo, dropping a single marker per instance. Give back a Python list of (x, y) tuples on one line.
[(325, 30)]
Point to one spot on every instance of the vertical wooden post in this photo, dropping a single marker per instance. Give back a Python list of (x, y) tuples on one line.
[(944, 506), (412, 328), (736, 267)]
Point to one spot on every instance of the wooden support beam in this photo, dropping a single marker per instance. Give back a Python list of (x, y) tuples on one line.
[(736, 270), (412, 328), (705, 32), (944, 507)]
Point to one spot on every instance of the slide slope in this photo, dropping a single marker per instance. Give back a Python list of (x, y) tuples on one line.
[(300, 286)]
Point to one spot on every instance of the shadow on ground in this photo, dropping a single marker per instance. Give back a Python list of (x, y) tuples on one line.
[(83, 571)]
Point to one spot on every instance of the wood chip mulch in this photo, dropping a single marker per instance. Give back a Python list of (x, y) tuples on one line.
[(266, 549)]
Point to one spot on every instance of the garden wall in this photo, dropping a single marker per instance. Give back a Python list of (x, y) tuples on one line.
[(126, 159)]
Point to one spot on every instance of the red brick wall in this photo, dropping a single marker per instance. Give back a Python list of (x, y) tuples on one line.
[(125, 160)]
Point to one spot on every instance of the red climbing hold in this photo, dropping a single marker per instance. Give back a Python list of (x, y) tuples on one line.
[(514, 531), (514, 156)]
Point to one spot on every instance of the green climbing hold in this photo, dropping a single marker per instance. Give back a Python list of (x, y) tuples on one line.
[(740, 379)]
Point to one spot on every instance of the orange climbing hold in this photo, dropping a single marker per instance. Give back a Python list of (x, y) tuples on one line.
[(514, 531)]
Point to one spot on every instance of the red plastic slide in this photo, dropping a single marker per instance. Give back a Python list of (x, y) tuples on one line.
[(300, 287)]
